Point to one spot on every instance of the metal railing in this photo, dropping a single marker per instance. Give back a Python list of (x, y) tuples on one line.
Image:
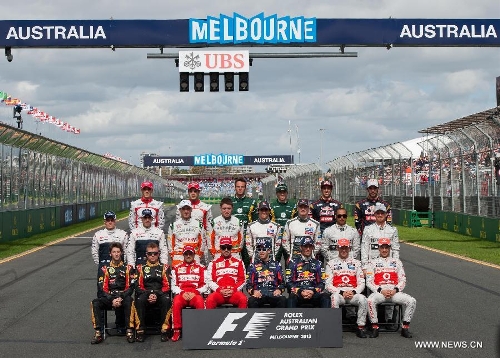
[(38, 172)]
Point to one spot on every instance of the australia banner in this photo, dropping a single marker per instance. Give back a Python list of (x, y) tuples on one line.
[(218, 160)]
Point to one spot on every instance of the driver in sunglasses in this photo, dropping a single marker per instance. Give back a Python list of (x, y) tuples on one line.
[(225, 277), (340, 230), (153, 289)]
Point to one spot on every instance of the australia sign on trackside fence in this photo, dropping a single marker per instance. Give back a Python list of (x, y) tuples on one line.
[(218, 160), (259, 29), (261, 328)]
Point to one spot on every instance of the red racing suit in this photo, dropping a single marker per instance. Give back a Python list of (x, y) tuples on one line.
[(187, 278), (224, 273), (136, 208)]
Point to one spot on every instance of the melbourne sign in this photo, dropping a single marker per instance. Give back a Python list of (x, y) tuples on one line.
[(214, 61), (259, 29), (261, 328), (218, 160), (236, 29)]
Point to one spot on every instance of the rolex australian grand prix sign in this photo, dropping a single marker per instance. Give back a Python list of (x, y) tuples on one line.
[(261, 328)]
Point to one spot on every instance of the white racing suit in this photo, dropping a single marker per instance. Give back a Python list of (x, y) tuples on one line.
[(388, 273), (347, 275), (262, 229), (369, 242), (139, 239), (203, 213), (232, 228), (295, 229), (136, 207), (332, 234), (185, 232)]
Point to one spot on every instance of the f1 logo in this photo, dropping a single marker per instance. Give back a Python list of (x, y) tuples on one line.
[(227, 325), (255, 326)]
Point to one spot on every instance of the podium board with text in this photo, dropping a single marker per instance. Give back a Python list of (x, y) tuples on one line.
[(261, 328)]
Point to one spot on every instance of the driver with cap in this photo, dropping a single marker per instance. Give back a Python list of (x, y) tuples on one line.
[(185, 231), (263, 227), (188, 285), (141, 237), (371, 235), (265, 283), (200, 211), (364, 210), (385, 277), (146, 202), (305, 278), (345, 281), (324, 209), (226, 278), (298, 228)]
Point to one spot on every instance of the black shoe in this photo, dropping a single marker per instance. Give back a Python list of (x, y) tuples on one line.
[(97, 338), (374, 333), (405, 333), (360, 332), (139, 336), (164, 336), (130, 336)]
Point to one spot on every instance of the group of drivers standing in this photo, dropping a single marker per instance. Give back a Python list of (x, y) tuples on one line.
[(212, 255)]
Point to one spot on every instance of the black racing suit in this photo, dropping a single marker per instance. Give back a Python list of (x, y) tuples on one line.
[(152, 279), (116, 281), (265, 277)]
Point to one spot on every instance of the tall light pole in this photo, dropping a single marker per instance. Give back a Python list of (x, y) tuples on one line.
[(321, 148)]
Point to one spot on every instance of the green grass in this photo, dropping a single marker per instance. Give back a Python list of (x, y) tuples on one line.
[(451, 242), (11, 248)]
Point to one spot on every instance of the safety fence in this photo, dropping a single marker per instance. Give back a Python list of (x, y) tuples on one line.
[(449, 179), (302, 180), (38, 173)]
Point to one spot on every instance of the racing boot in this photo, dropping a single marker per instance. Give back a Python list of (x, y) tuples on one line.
[(130, 335), (360, 332), (374, 332), (97, 337), (406, 333), (177, 335), (139, 336), (164, 336)]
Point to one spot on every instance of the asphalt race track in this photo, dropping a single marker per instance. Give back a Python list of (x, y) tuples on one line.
[(45, 310)]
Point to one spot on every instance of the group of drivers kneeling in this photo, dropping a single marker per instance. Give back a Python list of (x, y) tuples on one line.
[(224, 280)]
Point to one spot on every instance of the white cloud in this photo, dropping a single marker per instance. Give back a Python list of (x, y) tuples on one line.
[(125, 103)]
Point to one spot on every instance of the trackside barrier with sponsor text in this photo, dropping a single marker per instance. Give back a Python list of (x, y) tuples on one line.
[(261, 328)]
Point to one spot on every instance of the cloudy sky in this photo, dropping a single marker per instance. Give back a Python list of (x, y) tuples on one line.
[(125, 104)]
